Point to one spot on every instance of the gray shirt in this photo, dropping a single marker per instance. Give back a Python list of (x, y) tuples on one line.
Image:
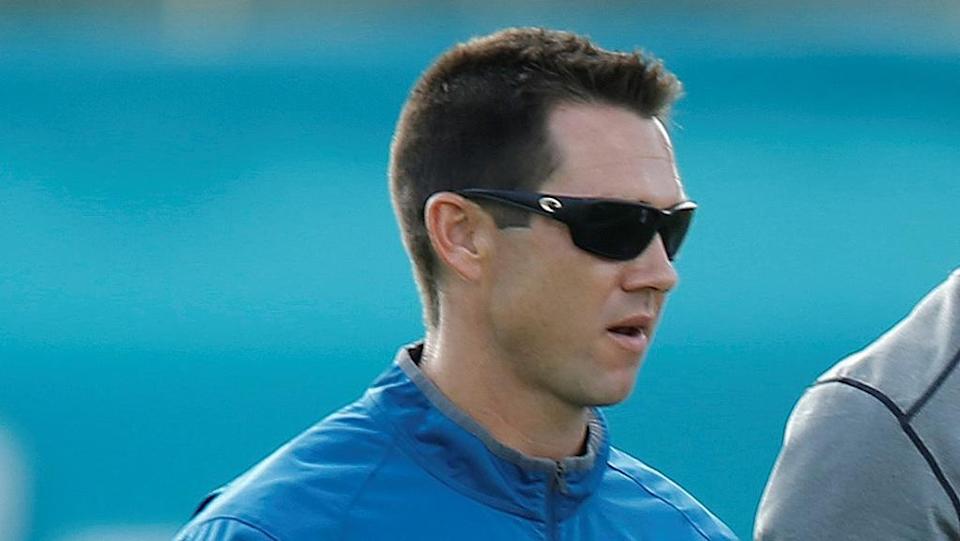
[(872, 450)]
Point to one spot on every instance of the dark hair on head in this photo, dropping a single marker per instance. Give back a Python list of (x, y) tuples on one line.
[(477, 119)]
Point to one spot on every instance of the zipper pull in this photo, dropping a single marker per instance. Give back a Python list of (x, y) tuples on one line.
[(558, 479)]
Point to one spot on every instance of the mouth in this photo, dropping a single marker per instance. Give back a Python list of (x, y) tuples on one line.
[(633, 338), (627, 330)]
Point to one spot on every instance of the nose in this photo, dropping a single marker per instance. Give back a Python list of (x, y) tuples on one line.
[(650, 270)]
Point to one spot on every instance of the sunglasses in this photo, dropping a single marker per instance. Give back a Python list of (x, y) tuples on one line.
[(608, 228)]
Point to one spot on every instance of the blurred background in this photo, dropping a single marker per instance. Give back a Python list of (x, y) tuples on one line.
[(198, 257)]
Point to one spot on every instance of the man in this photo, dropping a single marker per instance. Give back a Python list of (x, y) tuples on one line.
[(872, 450), (538, 198)]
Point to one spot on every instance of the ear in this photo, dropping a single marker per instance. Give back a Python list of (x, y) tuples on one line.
[(458, 232)]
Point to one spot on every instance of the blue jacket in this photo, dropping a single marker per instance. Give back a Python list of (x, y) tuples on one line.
[(403, 463)]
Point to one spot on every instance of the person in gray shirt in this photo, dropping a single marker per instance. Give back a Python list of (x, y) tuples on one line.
[(872, 450)]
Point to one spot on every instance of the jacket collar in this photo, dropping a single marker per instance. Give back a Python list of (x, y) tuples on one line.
[(453, 447)]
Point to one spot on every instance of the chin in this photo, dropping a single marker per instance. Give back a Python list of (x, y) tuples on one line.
[(614, 401), (611, 397), (616, 387)]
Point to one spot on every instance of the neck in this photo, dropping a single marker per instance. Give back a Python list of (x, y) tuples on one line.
[(483, 384)]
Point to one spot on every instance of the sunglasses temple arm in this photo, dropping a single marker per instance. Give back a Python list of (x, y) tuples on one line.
[(531, 206)]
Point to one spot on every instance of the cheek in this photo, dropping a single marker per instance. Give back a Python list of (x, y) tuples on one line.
[(559, 292), (548, 282)]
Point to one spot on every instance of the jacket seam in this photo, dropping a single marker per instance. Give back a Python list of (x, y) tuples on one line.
[(686, 517), (399, 436), (356, 496), (241, 521), (935, 386), (904, 420)]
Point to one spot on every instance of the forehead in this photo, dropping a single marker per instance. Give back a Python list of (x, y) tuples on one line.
[(610, 151)]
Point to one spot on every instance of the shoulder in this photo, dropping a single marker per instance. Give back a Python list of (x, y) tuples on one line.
[(304, 489), (915, 355), (664, 504), (835, 416), (224, 529), (842, 442)]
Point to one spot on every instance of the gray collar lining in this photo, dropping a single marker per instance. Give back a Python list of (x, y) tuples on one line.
[(595, 429)]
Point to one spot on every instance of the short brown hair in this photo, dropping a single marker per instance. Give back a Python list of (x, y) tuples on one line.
[(477, 119)]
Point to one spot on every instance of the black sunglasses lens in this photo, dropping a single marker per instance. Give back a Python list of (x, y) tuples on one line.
[(614, 230), (674, 230)]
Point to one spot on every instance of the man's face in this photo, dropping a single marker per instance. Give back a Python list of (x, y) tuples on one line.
[(573, 325)]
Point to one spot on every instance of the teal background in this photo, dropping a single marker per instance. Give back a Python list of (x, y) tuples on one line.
[(198, 257)]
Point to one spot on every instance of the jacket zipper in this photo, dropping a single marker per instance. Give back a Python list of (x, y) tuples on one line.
[(558, 485)]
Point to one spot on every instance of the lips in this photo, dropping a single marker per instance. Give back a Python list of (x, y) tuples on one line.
[(633, 333), (625, 330)]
